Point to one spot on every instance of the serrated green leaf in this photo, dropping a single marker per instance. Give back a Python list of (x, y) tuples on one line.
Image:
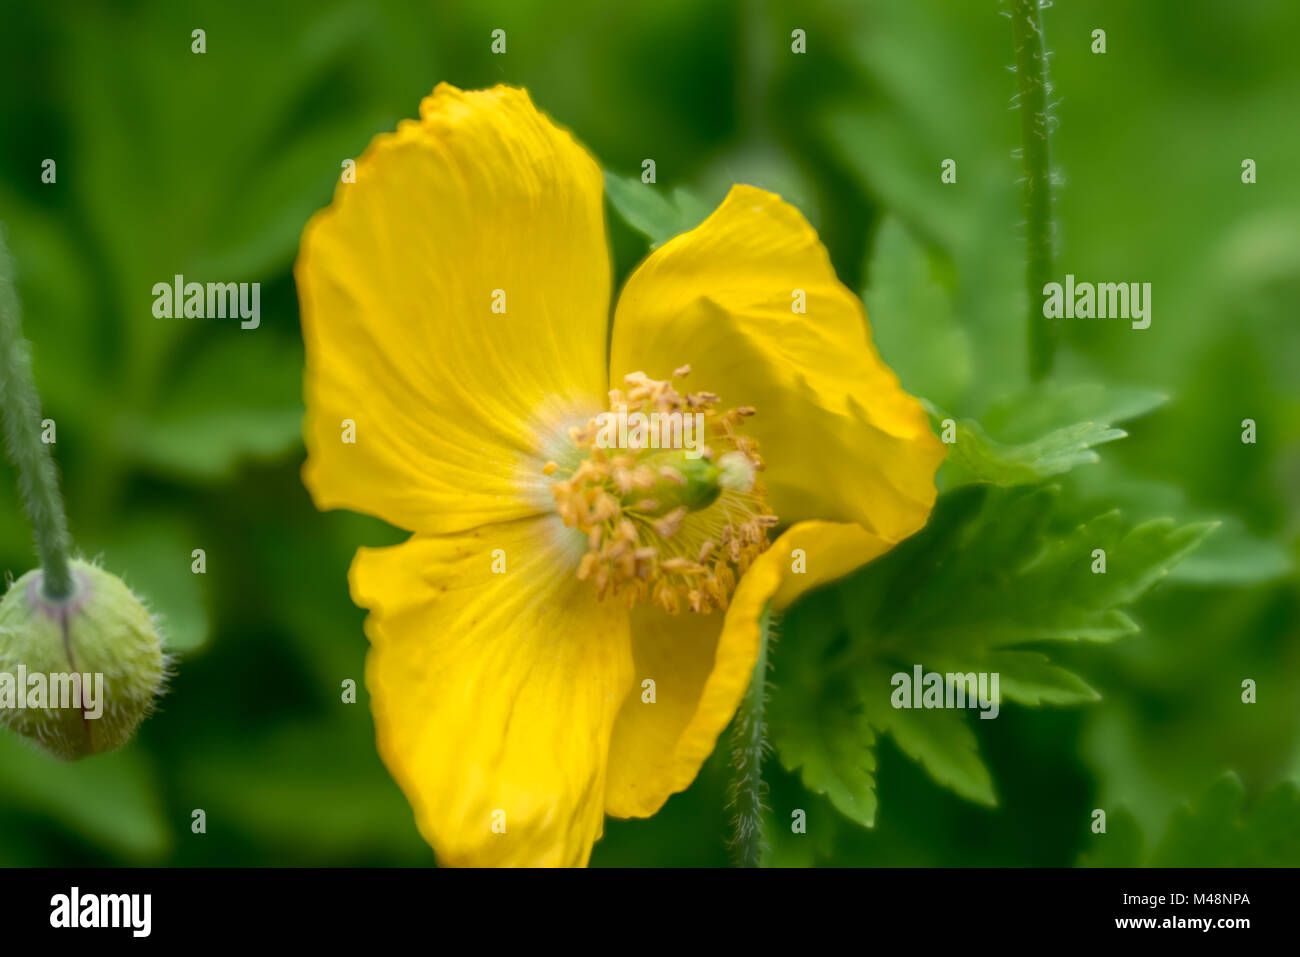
[(818, 724), (1045, 407), (1136, 559), (1027, 677), (651, 210), (1000, 579), (940, 741), (1230, 555), (988, 575), (833, 747), (976, 457), (1042, 431)]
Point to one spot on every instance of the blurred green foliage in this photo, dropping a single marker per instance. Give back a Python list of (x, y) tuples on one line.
[(175, 435)]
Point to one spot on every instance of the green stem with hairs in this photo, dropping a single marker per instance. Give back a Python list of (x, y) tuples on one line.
[(38, 482), (1031, 76), (749, 745)]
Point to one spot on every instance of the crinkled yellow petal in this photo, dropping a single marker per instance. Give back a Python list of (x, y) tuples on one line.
[(494, 692), (841, 439), (455, 302), (702, 665)]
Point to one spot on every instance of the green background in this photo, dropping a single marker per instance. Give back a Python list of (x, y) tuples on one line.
[(175, 434)]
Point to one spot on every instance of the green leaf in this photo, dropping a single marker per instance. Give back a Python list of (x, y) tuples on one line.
[(820, 833), (912, 316), (1029, 678), (1026, 414), (1042, 431), (651, 211), (988, 576), (823, 723), (890, 149), (1218, 829), (942, 742), (229, 207), (112, 800), (56, 297), (975, 457), (1231, 555), (832, 743), (239, 398)]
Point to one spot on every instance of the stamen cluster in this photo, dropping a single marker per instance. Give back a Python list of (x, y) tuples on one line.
[(675, 526)]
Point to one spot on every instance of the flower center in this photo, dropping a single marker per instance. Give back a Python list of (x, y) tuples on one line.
[(668, 496)]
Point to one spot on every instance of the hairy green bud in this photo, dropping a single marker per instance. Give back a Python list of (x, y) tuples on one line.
[(79, 673)]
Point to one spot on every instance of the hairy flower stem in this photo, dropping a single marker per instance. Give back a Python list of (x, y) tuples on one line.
[(1031, 76), (749, 744), (38, 482)]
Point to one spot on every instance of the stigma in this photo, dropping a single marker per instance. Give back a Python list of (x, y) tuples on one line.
[(666, 490)]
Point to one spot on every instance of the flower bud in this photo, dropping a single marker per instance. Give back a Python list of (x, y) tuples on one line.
[(79, 673)]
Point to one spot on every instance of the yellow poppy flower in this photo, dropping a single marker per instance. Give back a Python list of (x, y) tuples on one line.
[(527, 672)]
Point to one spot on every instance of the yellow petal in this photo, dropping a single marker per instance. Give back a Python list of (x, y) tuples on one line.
[(812, 554), (842, 441), (702, 666), (482, 197), (494, 694)]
